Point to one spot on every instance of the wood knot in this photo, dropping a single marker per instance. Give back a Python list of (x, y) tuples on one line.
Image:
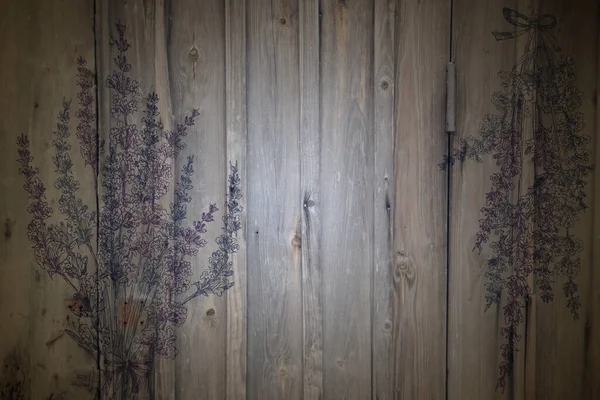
[(193, 54), (297, 241), (385, 85), (282, 21), (404, 270), (341, 362), (210, 312), (309, 203), (387, 326)]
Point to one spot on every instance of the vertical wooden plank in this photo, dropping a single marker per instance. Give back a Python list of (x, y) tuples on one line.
[(550, 357), (235, 114), (274, 267), (592, 361), (16, 271), (562, 343), (383, 97), (419, 265), (41, 42), (347, 196), (146, 33), (473, 337), (196, 64), (310, 169)]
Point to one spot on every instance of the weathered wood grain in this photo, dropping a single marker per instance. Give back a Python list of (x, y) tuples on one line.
[(310, 192), (347, 196), (40, 43), (196, 64), (473, 338), (384, 85), (273, 168), (562, 343), (592, 333), (235, 114), (147, 27), (419, 264), (17, 265)]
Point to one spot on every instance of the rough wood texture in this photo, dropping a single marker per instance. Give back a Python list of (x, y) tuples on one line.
[(384, 87), (334, 111), (419, 263), (592, 360), (347, 196), (196, 54), (235, 97), (38, 70), (310, 195), (274, 265), (551, 359), (473, 335), (563, 344)]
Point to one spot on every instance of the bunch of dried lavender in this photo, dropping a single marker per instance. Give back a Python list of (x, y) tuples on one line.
[(136, 293), (529, 228)]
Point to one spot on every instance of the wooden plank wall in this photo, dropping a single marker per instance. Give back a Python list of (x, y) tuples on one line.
[(334, 112)]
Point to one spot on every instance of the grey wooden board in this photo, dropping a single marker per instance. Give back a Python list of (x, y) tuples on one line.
[(310, 196), (273, 168), (346, 196), (418, 303), (196, 64), (237, 297)]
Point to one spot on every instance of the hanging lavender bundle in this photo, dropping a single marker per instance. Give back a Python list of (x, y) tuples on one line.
[(135, 294), (529, 216)]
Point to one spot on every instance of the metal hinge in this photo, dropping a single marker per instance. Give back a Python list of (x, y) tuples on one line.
[(451, 97)]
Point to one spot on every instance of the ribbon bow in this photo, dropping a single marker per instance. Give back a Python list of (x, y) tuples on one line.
[(542, 23), (135, 369)]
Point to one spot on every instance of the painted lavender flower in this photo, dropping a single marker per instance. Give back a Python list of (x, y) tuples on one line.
[(128, 266), (529, 227)]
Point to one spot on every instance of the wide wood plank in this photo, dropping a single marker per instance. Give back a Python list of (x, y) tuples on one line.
[(146, 27), (419, 263), (196, 60), (16, 272), (40, 45), (347, 196), (274, 266), (473, 337), (563, 344)]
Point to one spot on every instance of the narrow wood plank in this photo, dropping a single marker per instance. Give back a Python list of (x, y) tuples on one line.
[(310, 168), (473, 337), (196, 64), (419, 265), (235, 95), (384, 88), (347, 196), (274, 266), (17, 264), (592, 361), (40, 360)]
